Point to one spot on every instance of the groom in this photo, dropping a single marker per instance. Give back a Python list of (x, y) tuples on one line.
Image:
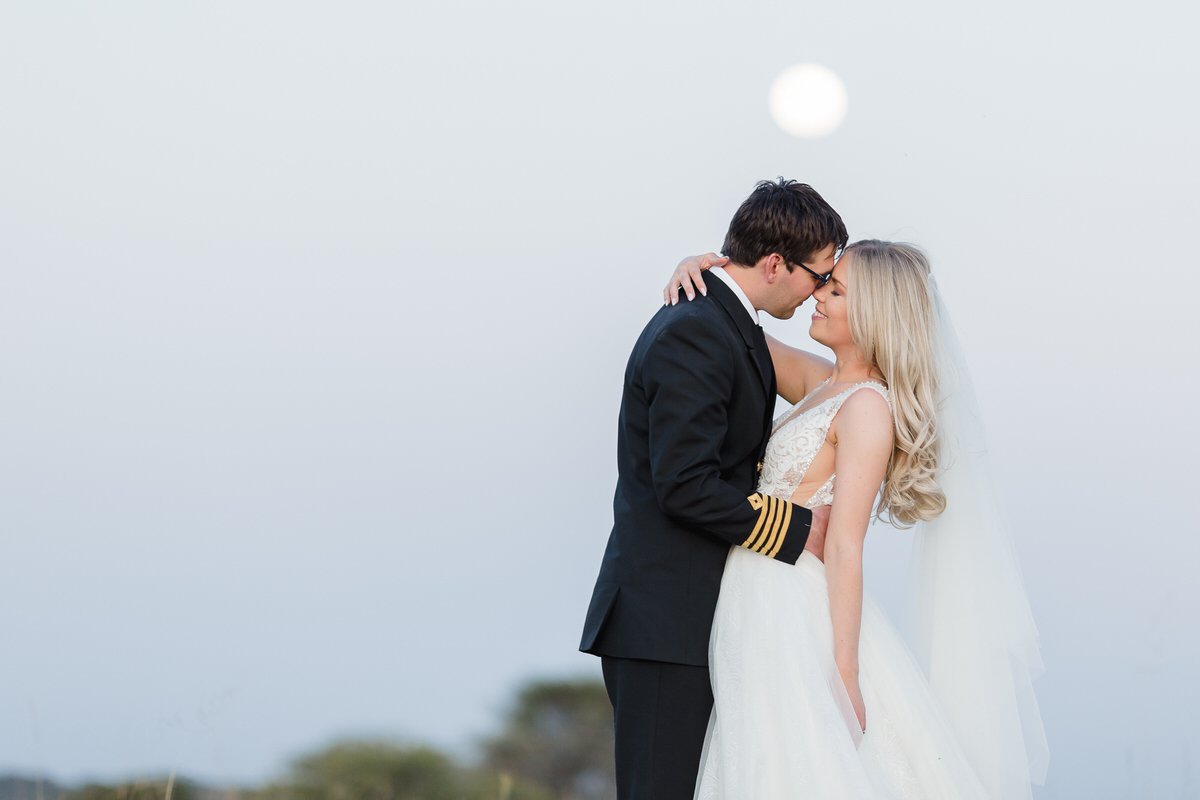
[(695, 417)]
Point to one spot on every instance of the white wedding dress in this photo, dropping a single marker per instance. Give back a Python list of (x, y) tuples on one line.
[(782, 725)]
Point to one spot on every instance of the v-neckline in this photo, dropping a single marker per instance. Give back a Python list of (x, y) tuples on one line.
[(797, 411)]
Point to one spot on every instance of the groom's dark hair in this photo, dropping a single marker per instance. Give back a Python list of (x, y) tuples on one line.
[(784, 217)]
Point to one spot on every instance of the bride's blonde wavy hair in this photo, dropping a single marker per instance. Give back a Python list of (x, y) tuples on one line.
[(891, 314)]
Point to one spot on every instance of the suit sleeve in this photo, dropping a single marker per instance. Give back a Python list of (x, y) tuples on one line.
[(688, 380)]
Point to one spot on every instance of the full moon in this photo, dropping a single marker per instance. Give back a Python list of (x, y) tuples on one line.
[(808, 100)]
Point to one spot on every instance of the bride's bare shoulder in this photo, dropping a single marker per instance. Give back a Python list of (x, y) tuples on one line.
[(866, 418)]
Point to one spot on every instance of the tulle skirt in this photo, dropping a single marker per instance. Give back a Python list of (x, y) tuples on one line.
[(782, 723)]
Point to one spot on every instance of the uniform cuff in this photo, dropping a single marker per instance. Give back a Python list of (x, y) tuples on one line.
[(780, 528)]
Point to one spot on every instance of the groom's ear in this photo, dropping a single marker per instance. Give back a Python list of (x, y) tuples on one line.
[(771, 266)]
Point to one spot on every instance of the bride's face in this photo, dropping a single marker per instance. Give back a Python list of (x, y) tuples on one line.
[(831, 321)]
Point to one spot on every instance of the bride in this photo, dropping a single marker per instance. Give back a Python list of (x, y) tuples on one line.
[(815, 693)]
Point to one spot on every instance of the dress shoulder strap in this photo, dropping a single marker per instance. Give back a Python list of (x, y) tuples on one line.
[(876, 385)]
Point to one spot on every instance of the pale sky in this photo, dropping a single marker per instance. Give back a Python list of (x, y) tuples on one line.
[(314, 318)]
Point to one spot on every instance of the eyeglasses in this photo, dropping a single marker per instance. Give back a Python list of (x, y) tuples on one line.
[(821, 279)]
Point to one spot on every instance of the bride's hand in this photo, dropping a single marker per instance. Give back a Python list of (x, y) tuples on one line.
[(815, 543), (856, 699), (687, 277)]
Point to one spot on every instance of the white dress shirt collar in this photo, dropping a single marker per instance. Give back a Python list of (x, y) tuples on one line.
[(737, 290)]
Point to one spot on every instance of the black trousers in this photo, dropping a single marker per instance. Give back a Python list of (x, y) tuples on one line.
[(660, 711)]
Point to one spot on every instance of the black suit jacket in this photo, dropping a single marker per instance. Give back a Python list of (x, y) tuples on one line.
[(695, 417)]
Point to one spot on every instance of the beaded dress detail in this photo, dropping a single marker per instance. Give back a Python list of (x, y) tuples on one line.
[(796, 438)]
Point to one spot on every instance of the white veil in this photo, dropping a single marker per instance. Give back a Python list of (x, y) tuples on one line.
[(974, 632)]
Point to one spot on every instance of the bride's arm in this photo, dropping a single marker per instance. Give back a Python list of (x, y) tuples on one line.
[(862, 433), (797, 372)]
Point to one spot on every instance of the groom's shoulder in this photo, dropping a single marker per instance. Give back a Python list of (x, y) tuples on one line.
[(688, 327), (701, 311), (698, 317)]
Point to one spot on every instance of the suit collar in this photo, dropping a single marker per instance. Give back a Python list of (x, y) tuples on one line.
[(727, 278), (732, 305)]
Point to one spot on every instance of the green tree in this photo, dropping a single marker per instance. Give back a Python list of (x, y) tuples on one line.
[(559, 734), (369, 770), (380, 770), (141, 790)]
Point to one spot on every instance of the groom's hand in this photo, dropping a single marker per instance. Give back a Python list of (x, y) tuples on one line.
[(816, 532)]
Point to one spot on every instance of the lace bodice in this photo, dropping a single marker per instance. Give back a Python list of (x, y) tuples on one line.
[(796, 438)]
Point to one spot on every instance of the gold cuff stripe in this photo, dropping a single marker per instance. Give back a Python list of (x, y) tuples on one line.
[(784, 507), (783, 529), (772, 512), (756, 502), (774, 522)]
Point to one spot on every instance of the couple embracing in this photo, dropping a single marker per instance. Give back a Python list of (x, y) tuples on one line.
[(741, 655)]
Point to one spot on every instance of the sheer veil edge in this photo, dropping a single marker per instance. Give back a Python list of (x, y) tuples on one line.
[(972, 630)]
